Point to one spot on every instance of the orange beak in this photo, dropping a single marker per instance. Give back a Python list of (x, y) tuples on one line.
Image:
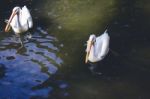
[(89, 45), (7, 28)]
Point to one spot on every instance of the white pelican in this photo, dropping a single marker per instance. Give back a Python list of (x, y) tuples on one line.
[(20, 20), (97, 47)]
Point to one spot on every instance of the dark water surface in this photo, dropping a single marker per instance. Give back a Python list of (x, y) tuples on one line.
[(51, 65)]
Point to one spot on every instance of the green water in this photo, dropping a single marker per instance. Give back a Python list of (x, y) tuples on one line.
[(73, 21), (51, 66)]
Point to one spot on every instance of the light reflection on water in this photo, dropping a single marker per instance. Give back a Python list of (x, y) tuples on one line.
[(30, 66), (35, 70)]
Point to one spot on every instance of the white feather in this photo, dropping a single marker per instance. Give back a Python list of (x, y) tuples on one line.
[(22, 21), (100, 48)]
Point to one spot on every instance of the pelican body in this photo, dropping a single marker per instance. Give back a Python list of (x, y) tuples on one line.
[(97, 47), (20, 20)]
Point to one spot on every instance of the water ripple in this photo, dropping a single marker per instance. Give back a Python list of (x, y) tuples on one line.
[(29, 67)]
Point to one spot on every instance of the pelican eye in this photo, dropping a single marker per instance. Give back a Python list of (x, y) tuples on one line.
[(93, 41)]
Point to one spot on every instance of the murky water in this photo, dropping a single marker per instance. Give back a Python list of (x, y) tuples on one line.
[(51, 65)]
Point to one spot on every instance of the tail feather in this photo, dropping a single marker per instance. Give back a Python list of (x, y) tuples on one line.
[(106, 31)]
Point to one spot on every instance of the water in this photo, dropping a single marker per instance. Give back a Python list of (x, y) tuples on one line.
[(51, 65)]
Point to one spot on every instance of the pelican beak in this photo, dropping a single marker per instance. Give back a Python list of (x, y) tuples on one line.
[(89, 45), (7, 28)]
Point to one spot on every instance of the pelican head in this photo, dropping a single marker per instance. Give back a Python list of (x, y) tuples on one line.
[(14, 12), (16, 9), (92, 38), (90, 43)]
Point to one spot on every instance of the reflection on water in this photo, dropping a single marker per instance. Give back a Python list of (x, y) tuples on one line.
[(51, 65), (30, 66)]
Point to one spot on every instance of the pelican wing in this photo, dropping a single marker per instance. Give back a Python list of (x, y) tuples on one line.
[(27, 15), (104, 48)]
